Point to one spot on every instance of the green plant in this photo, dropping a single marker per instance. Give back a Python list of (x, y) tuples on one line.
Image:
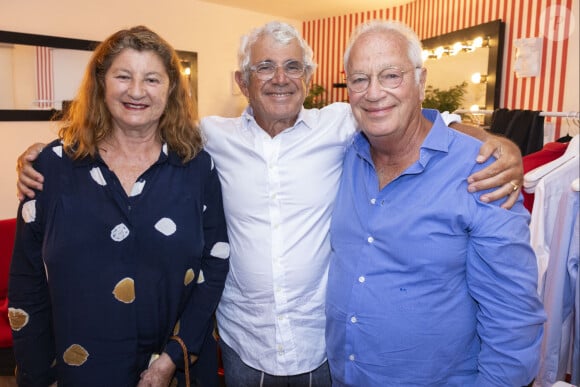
[(314, 98), (444, 100)]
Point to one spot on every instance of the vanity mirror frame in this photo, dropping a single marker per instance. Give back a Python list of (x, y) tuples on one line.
[(494, 31), (10, 37)]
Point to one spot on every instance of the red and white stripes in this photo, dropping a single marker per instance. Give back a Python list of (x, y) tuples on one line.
[(44, 78), (549, 19)]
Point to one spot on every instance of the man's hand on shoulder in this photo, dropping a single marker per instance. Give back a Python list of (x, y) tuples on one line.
[(28, 178)]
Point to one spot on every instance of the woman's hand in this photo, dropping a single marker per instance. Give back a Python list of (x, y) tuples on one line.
[(159, 373), (507, 172), (28, 178)]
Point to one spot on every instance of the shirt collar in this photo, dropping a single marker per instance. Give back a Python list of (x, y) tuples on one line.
[(437, 140), (304, 120)]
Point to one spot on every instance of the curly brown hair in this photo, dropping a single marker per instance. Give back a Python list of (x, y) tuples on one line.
[(88, 121)]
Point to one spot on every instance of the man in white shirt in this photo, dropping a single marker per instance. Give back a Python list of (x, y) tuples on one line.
[(279, 166)]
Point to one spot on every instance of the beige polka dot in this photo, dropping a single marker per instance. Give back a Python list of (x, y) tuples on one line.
[(189, 276), (125, 290), (176, 328), (18, 318), (75, 355)]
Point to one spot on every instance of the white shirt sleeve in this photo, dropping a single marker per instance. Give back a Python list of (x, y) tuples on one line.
[(450, 118)]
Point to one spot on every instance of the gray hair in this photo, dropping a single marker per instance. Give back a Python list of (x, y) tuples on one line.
[(283, 34), (414, 46)]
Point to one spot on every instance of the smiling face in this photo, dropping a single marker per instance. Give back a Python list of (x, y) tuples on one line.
[(276, 102), (378, 110), (136, 90)]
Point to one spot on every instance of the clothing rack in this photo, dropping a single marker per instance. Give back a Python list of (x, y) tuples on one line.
[(543, 114)]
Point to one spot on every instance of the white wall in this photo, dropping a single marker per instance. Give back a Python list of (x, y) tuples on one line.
[(212, 31)]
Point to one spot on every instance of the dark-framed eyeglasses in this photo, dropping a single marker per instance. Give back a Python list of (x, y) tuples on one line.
[(266, 70), (389, 78)]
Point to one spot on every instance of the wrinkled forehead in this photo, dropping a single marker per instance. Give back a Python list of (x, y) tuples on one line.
[(267, 48), (386, 47)]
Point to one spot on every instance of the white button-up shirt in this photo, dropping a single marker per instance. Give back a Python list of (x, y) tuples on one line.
[(278, 196)]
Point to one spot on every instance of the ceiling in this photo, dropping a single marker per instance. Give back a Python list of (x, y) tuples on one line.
[(309, 9)]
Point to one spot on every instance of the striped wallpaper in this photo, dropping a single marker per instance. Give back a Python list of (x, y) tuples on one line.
[(44, 78), (430, 18)]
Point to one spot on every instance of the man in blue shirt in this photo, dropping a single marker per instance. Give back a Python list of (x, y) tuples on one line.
[(428, 285)]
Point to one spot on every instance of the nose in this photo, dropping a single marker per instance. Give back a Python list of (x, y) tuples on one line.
[(279, 75), (136, 89), (375, 90)]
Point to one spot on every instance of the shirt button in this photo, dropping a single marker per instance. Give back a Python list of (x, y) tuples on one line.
[(373, 201), (370, 239), (353, 319), (351, 357), (361, 279)]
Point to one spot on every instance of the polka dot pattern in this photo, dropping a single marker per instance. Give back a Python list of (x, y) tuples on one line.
[(75, 355), (29, 211), (200, 277), (137, 188), (189, 276), (119, 232), (18, 318), (124, 291), (221, 250), (57, 150), (97, 176), (166, 226), (140, 249)]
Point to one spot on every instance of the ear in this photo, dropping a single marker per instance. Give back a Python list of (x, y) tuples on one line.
[(242, 83)]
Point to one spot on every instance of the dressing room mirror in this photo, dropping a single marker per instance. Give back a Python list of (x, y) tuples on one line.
[(460, 56), (40, 74)]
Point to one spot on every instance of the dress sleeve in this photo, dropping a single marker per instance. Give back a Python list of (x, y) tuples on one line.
[(502, 278), (30, 308), (198, 314)]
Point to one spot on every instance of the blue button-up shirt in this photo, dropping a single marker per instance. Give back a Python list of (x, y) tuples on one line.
[(427, 284)]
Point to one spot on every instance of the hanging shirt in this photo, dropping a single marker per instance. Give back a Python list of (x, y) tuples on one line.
[(549, 152), (547, 195), (100, 280), (561, 296), (427, 284)]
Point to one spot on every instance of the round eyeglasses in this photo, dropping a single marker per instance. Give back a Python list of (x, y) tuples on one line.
[(389, 78), (266, 70)]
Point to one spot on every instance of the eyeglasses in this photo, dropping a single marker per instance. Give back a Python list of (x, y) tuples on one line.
[(266, 70), (389, 78)]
